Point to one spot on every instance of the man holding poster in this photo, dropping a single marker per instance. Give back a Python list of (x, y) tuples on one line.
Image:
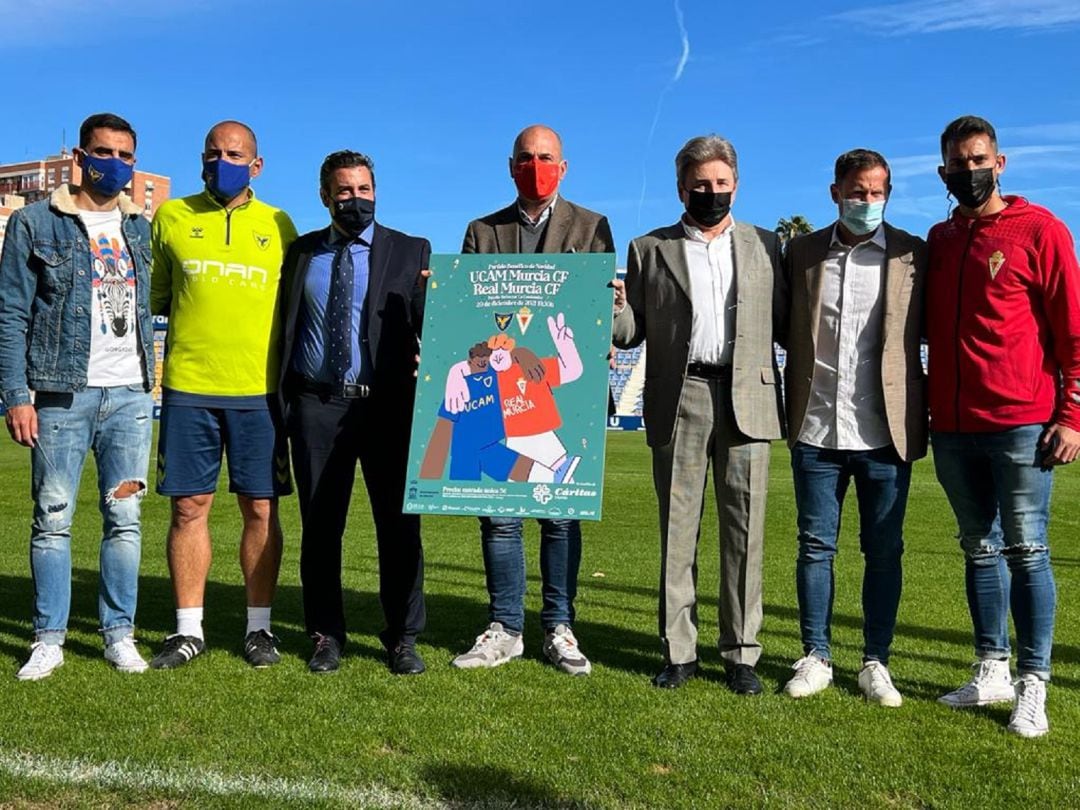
[(539, 221)]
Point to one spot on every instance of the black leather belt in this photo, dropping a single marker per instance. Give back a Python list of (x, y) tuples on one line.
[(708, 371), (346, 391)]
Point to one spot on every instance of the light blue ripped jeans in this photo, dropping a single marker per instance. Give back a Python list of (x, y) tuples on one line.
[(115, 423)]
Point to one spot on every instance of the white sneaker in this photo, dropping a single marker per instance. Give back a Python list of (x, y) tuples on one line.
[(493, 647), (811, 676), (125, 656), (990, 683), (44, 658), (1028, 718), (561, 649), (877, 685)]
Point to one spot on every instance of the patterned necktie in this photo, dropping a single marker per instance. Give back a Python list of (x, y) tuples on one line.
[(339, 315)]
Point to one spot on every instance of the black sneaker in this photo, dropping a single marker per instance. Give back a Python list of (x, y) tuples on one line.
[(178, 650), (260, 649)]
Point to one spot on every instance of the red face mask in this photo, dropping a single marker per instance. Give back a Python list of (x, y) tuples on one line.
[(536, 180)]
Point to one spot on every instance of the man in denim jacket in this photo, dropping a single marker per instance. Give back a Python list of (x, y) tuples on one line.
[(75, 329)]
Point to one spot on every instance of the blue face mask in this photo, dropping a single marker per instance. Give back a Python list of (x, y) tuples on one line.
[(225, 180), (107, 175), (860, 217)]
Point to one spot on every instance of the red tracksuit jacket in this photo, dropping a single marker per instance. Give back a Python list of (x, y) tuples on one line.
[(1003, 321)]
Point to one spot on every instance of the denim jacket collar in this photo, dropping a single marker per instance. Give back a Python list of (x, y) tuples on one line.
[(63, 200)]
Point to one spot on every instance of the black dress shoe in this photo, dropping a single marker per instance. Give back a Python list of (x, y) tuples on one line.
[(327, 657), (742, 679), (675, 675), (404, 660)]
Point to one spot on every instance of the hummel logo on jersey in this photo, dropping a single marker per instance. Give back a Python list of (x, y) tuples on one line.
[(196, 232)]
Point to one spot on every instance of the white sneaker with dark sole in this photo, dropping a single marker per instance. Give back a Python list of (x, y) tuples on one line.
[(494, 647), (44, 659), (561, 649), (990, 683)]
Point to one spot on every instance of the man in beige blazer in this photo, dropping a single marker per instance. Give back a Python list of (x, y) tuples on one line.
[(700, 294), (540, 220), (856, 410)]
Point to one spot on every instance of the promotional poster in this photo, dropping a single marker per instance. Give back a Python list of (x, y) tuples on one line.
[(512, 389)]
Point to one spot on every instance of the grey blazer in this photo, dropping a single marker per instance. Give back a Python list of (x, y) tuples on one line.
[(659, 311), (902, 375), (572, 229)]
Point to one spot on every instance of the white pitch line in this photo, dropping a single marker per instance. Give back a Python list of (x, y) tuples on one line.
[(127, 775)]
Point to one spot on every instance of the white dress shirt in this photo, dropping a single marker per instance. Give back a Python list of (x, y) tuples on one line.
[(846, 407), (712, 293)]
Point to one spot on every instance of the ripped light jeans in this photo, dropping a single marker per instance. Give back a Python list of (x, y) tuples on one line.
[(1000, 493), (115, 423)]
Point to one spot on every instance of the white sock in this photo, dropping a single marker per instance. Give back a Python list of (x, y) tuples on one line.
[(258, 619), (189, 622)]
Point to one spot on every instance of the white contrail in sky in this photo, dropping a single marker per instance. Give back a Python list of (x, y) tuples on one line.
[(684, 57)]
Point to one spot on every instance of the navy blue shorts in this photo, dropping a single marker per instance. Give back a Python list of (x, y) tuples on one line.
[(192, 439)]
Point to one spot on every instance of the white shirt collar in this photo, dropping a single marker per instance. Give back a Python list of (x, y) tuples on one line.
[(878, 238), (695, 234), (544, 215)]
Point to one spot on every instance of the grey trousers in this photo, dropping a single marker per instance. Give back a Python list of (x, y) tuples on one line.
[(705, 431)]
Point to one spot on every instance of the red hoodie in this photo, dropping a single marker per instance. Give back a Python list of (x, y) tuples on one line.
[(1003, 321)]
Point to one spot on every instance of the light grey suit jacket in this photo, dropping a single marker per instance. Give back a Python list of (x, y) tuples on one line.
[(902, 375), (571, 229), (659, 310)]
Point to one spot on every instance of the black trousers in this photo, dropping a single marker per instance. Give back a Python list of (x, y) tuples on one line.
[(327, 435)]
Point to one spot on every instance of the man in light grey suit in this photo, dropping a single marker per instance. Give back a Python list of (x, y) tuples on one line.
[(700, 293), (856, 409)]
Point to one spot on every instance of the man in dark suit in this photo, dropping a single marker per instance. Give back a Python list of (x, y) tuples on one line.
[(353, 297), (700, 294), (539, 221)]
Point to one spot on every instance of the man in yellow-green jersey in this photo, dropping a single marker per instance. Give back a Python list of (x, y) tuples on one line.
[(216, 267)]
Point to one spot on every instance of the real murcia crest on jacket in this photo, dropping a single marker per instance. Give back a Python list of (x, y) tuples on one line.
[(996, 260)]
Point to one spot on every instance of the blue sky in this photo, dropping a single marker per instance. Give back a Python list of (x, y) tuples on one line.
[(435, 93)]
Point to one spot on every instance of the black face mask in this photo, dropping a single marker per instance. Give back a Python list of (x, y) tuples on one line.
[(971, 188), (708, 208), (352, 215)]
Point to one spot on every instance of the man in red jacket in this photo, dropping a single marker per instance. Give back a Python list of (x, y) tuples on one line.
[(1003, 327)]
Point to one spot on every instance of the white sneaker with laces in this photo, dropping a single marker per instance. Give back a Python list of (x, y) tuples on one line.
[(812, 675), (125, 656), (44, 658), (561, 649), (877, 686), (493, 648), (990, 683), (1028, 718)]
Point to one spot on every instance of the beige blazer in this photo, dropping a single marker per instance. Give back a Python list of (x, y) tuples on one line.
[(659, 310), (901, 368), (571, 229)]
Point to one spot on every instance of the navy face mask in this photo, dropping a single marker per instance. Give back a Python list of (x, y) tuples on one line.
[(353, 214), (225, 180), (108, 175)]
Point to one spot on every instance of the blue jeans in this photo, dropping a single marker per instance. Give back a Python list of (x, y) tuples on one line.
[(1000, 493), (115, 423), (504, 564), (882, 481)]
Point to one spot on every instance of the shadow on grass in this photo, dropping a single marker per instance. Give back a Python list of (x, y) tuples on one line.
[(490, 786), (453, 623)]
